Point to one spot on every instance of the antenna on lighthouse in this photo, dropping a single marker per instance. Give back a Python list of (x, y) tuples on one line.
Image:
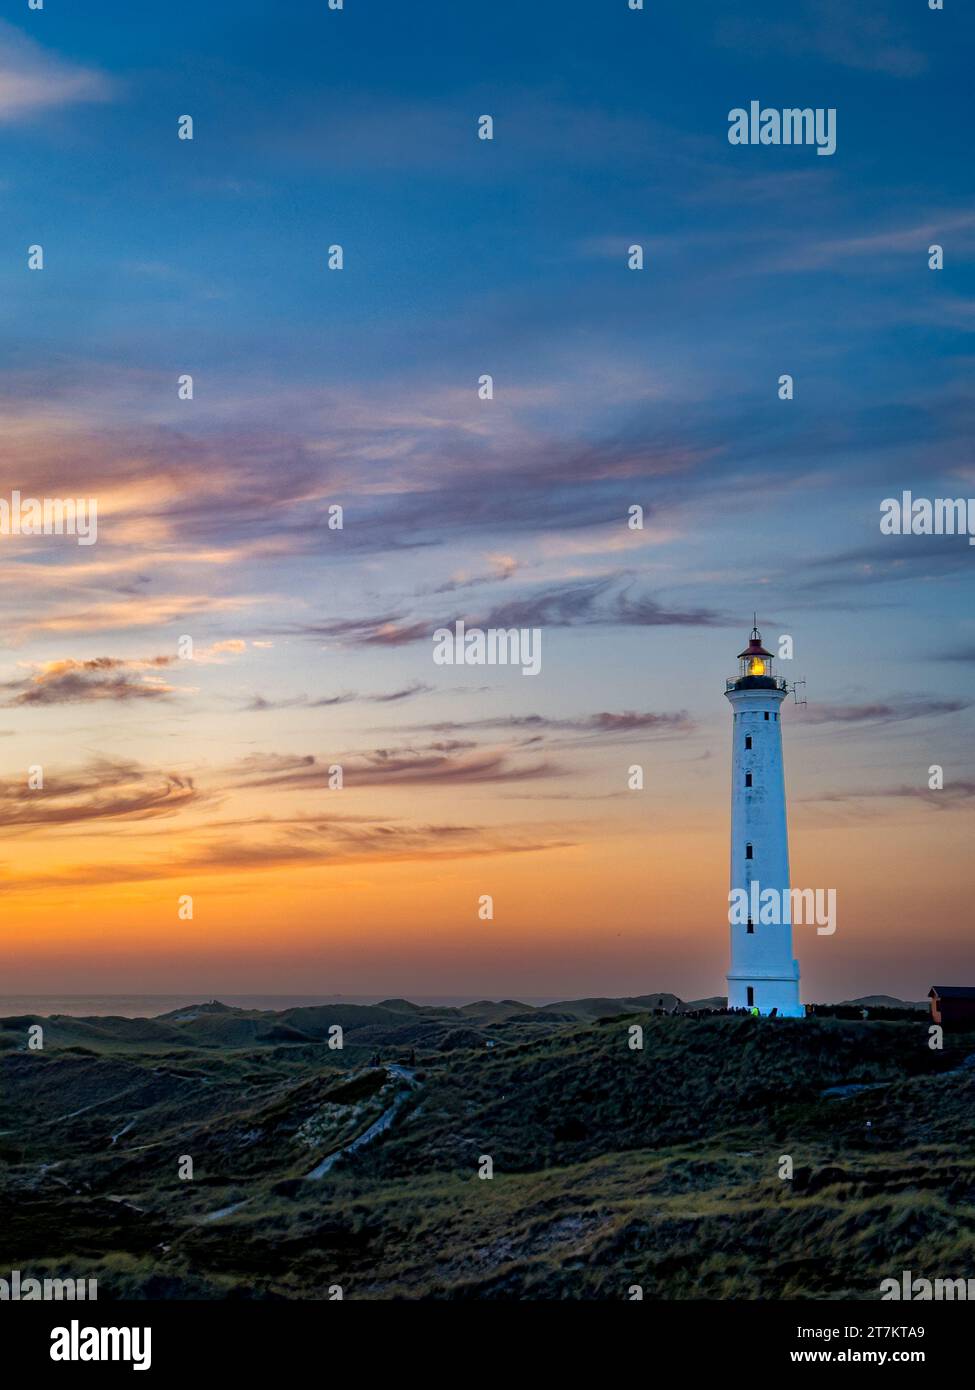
[(794, 687)]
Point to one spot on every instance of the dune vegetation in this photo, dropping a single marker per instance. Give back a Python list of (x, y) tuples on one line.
[(728, 1157)]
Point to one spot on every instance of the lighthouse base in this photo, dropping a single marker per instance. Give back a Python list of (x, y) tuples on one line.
[(766, 993)]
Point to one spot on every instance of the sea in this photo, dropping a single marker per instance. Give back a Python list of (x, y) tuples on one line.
[(151, 1005)]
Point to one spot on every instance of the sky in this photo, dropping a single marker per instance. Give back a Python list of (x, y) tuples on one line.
[(168, 777)]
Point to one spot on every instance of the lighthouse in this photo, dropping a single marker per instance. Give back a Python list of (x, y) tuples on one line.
[(763, 973)]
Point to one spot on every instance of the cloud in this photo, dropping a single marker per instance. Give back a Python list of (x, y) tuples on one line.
[(632, 721), (502, 567), (888, 560), (412, 474), (608, 600), (68, 681), (373, 130), (965, 654), (231, 646), (453, 763), (104, 790), (32, 80), (349, 697), (953, 796), (386, 630), (312, 843), (129, 613), (604, 723), (863, 38), (878, 246), (882, 712)]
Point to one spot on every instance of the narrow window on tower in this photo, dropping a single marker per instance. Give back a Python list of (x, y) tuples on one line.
[(751, 996), (766, 714), (748, 779), (751, 927), (748, 852), (748, 741)]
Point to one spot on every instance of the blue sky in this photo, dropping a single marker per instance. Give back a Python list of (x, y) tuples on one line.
[(612, 387)]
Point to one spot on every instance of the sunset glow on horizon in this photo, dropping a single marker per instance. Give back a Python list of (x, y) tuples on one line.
[(164, 775)]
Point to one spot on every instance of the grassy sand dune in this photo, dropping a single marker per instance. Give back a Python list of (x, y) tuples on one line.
[(612, 1166)]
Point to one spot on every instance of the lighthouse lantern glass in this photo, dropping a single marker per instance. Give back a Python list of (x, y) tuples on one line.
[(755, 662)]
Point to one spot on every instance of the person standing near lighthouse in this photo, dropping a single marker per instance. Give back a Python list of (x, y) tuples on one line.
[(763, 973)]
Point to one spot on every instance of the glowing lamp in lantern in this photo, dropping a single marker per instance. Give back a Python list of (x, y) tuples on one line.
[(755, 663)]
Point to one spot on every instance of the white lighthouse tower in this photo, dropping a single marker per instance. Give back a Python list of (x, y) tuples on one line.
[(763, 973)]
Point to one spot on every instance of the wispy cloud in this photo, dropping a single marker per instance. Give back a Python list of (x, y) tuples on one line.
[(348, 697), (607, 600), (888, 560), (450, 763), (128, 613), (605, 723), (964, 654), (878, 246), (34, 80), (612, 600), (103, 790), (953, 796), (883, 712), (864, 38), (502, 567), (320, 845)]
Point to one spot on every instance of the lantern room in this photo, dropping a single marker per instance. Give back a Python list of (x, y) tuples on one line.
[(755, 667)]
